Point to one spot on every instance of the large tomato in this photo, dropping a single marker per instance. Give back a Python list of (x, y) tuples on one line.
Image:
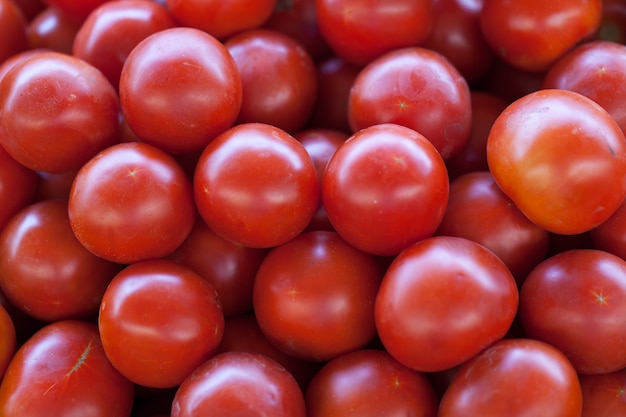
[(561, 158)]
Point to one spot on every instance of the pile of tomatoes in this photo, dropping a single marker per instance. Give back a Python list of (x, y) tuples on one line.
[(312, 208)]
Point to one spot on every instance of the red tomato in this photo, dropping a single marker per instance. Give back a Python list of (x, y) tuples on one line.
[(514, 378), (576, 301), (159, 321), (359, 31), (18, 186), (278, 76), (416, 88), (12, 30), (314, 296), (464, 295), (7, 340), (390, 177), (369, 383), (45, 271), (179, 88), (112, 30), (52, 29), (561, 158), (219, 18), (236, 383), (75, 107), (478, 210), (256, 186), (532, 34), (63, 370), (131, 202), (604, 395)]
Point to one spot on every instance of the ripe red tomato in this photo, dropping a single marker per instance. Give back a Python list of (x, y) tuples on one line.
[(576, 301), (385, 188), (279, 79), (233, 383), (314, 296), (514, 378), (464, 295), (8, 340), (75, 106), (417, 88), (45, 271), (63, 370), (604, 394), (131, 202), (359, 31), (159, 321), (256, 185), (179, 88), (561, 158), (532, 34), (52, 29), (369, 383)]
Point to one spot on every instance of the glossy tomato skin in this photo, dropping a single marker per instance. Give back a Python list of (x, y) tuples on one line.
[(12, 30), (549, 30), (314, 296), (574, 301), (603, 394), (45, 271), (163, 313), (18, 186), (278, 76), (63, 368), (232, 383), (478, 210), (179, 88), (111, 31), (8, 341), (52, 29), (566, 192), (131, 202), (369, 383), (516, 378), (75, 105), (417, 88), (256, 185), (465, 297), (360, 31), (385, 188)]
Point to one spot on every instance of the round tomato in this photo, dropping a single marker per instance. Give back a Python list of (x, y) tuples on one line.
[(463, 294), (159, 321), (256, 185), (385, 188), (179, 88), (561, 158), (236, 383), (604, 394), (52, 29), (62, 369), (514, 378), (131, 202)]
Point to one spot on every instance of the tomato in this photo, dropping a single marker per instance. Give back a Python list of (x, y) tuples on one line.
[(179, 88), (75, 107), (12, 30), (369, 383), (256, 185), (229, 267), (604, 394), (52, 29), (514, 378), (8, 341), (478, 210), (112, 30), (63, 368), (566, 192), (417, 88), (389, 176), (18, 186), (314, 296), (166, 315), (45, 271), (573, 301), (532, 34), (596, 70), (221, 19), (233, 383), (278, 76), (359, 31), (464, 295), (131, 202)]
